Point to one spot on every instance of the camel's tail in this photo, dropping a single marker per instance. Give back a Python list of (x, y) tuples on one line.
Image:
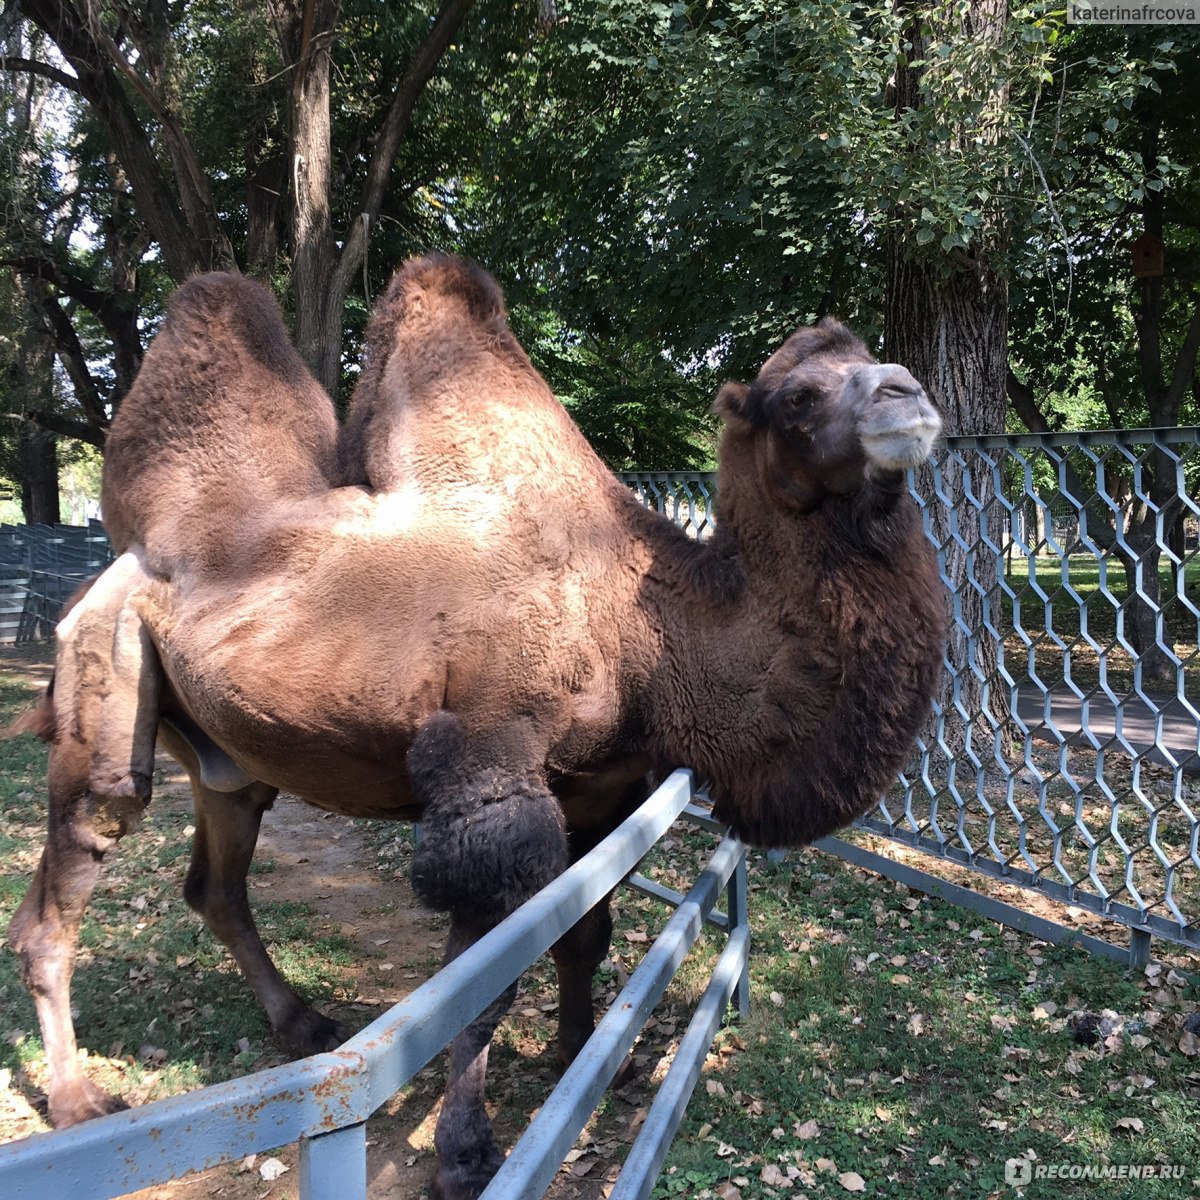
[(38, 720)]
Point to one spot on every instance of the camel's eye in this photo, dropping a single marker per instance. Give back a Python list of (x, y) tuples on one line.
[(792, 401)]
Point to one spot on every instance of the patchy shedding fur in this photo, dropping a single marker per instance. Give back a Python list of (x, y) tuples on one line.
[(453, 611)]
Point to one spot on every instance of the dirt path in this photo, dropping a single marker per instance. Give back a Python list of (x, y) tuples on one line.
[(325, 860)]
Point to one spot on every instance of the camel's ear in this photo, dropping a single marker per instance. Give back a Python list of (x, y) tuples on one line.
[(731, 402)]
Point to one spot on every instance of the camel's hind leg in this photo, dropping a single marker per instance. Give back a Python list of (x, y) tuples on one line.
[(105, 707), (227, 825), (45, 933)]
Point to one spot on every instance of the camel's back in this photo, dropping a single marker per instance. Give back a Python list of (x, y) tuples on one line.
[(223, 421)]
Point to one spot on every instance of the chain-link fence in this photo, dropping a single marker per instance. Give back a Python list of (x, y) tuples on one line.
[(1064, 751), (40, 567)]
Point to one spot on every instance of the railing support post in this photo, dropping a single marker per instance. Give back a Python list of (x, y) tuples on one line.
[(738, 892), (333, 1166), (1139, 948)]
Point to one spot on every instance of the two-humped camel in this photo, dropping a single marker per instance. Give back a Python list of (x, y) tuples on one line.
[(451, 610)]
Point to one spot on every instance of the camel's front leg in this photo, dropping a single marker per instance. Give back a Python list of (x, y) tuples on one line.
[(100, 714), (468, 1156), (577, 954), (493, 836), (581, 950)]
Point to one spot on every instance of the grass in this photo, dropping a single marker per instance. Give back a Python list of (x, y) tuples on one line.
[(913, 1047)]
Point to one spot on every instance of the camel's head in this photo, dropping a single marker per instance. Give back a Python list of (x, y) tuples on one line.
[(825, 417)]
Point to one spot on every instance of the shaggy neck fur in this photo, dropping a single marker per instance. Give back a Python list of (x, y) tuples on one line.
[(800, 650)]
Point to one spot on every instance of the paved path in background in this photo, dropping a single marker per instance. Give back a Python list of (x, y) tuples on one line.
[(1180, 729)]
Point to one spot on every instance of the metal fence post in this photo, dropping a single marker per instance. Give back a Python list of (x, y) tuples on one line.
[(1139, 948), (738, 892), (333, 1166)]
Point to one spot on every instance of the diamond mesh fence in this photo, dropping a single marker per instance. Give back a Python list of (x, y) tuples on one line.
[(1063, 752)]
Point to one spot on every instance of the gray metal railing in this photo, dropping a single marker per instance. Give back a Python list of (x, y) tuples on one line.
[(324, 1101), (1064, 751)]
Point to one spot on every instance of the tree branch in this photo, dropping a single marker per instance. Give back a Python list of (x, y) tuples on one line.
[(395, 128), (184, 250), (1097, 522), (1185, 366), (1025, 404), (71, 354), (56, 423), (31, 66), (44, 268)]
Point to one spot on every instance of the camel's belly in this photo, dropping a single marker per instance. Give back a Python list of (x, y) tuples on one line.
[(318, 680), (313, 716)]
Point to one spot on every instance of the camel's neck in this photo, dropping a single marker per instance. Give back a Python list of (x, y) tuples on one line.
[(799, 655)]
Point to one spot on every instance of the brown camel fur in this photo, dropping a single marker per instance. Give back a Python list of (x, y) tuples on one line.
[(459, 614)]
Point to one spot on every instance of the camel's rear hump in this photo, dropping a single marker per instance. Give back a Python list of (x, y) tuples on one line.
[(223, 419)]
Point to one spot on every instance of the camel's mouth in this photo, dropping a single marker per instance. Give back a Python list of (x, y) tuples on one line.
[(900, 429), (901, 449)]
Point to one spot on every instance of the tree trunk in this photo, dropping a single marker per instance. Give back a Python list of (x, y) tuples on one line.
[(305, 41), (951, 332), (946, 320), (323, 273), (37, 457)]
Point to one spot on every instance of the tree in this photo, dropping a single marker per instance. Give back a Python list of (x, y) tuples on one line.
[(1129, 342), (161, 86)]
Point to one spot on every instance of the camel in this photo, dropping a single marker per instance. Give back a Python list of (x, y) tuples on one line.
[(450, 610)]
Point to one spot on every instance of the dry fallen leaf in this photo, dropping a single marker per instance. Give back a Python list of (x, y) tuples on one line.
[(1189, 1044), (777, 999), (1133, 1124), (772, 1176), (852, 1181), (916, 1024), (806, 1130)]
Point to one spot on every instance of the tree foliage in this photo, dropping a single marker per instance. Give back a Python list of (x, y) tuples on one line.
[(665, 188)]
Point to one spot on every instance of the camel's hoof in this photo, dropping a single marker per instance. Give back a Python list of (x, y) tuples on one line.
[(72, 1104), (625, 1072), (466, 1175), (310, 1033)]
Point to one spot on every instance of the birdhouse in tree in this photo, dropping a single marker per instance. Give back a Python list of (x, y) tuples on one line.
[(1148, 256)]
